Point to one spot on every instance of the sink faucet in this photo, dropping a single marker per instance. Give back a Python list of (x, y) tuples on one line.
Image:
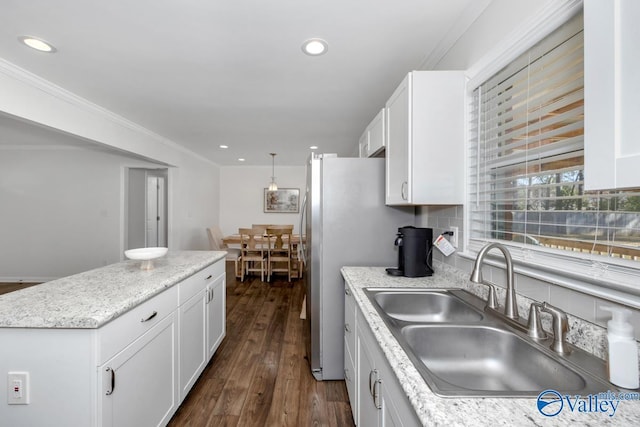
[(534, 326), (560, 325), (510, 305)]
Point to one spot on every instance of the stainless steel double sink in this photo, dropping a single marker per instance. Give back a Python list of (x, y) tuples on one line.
[(460, 350)]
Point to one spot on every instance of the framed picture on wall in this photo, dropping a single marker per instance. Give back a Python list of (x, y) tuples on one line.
[(282, 200)]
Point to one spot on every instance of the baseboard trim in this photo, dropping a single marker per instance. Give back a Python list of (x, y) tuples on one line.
[(26, 279)]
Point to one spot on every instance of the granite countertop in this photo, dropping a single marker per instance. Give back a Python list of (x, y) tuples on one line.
[(93, 298), (433, 410)]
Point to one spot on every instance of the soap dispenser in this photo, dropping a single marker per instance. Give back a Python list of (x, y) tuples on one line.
[(623, 350)]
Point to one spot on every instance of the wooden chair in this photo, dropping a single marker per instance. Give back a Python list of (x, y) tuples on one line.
[(280, 249), (216, 244), (262, 227), (254, 250), (296, 261)]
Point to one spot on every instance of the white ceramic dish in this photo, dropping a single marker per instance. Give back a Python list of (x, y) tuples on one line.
[(146, 255)]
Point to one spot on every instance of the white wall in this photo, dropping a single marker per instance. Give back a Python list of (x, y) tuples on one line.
[(194, 202), (193, 181), (61, 211), (241, 195), (493, 26)]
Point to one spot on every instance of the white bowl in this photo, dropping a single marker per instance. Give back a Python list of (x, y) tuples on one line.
[(146, 255)]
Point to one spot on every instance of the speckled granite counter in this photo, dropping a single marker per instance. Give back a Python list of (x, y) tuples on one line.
[(433, 410), (93, 298)]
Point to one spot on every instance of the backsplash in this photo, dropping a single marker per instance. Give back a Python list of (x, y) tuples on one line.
[(585, 335)]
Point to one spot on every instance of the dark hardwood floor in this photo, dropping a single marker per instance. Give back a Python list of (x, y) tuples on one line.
[(5, 288), (259, 375)]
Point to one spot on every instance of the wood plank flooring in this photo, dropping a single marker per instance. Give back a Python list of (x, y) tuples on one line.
[(5, 288), (259, 375)]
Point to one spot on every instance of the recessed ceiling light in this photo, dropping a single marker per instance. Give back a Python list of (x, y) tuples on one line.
[(37, 44), (241, 159), (314, 147), (224, 146), (315, 47)]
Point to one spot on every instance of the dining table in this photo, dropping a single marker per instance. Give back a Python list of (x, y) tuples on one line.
[(233, 240)]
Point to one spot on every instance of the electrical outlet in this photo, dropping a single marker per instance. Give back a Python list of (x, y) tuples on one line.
[(18, 388), (454, 239)]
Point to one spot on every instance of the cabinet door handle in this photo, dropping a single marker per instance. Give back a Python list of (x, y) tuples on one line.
[(347, 291), (374, 388), (347, 328), (403, 190), (371, 383), (376, 393), (209, 277), (112, 385), (151, 316)]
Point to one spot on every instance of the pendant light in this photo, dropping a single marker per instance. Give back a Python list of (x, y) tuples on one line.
[(273, 186)]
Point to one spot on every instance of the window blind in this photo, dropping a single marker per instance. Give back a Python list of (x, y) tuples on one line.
[(526, 163)]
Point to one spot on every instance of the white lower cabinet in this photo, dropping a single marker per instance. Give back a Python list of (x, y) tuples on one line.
[(202, 322), (144, 383), (133, 371), (377, 398), (350, 352), (193, 355), (138, 385), (370, 401), (216, 307)]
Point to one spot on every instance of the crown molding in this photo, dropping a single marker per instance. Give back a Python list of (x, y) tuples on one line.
[(462, 24), (32, 80), (41, 147), (552, 15)]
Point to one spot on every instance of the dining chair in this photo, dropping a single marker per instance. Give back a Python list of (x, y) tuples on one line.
[(280, 253), (216, 244), (254, 251), (262, 227), (296, 258)]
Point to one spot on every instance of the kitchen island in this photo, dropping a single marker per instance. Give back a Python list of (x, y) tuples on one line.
[(117, 345), (429, 409)]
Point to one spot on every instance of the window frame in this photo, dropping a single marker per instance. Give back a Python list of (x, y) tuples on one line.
[(613, 279)]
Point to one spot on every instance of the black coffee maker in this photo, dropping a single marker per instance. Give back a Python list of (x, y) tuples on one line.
[(414, 252)]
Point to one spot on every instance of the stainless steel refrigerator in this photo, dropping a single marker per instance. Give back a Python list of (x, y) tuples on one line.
[(346, 224)]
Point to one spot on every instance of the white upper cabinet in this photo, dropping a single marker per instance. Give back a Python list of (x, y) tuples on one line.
[(372, 141), (612, 93), (376, 133), (425, 139), (363, 143)]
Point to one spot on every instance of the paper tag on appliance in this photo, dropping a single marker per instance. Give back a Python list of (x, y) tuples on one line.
[(444, 246)]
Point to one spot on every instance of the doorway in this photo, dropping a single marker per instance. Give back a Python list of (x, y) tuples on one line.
[(147, 220)]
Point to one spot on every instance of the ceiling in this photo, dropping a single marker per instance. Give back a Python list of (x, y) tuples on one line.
[(205, 73)]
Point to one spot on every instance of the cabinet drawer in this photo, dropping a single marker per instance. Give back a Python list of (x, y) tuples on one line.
[(194, 284), (349, 321), (119, 333)]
